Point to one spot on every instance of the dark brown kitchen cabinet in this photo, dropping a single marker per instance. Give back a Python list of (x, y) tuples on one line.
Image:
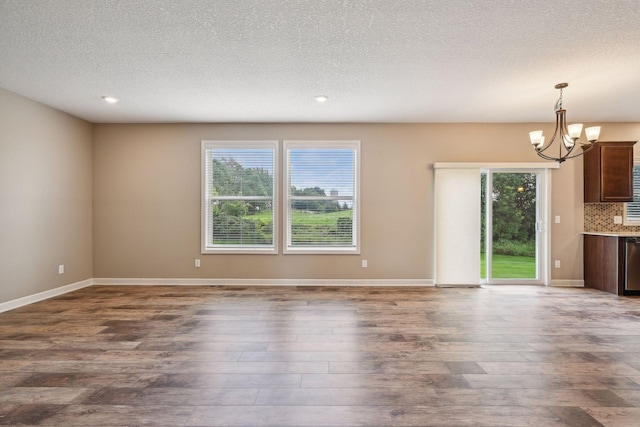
[(604, 263), (608, 172)]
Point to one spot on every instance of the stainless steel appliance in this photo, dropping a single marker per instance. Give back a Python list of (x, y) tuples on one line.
[(632, 264)]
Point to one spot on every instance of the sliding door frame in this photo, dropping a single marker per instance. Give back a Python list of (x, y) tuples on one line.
[(544, 169), (543, 213)]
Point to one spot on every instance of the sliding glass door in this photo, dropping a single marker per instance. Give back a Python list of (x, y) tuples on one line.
[(511, 241)]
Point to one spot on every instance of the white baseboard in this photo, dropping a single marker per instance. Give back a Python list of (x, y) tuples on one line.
[(30, 299), (267, 282), (458, 286), (568, 283)]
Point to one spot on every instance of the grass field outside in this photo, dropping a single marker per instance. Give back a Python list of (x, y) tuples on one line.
[(330, 218), (314, 229), (509, 267)]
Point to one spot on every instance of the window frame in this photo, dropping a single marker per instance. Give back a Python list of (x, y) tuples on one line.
[(248, 145), (356, 224), (625, 220)]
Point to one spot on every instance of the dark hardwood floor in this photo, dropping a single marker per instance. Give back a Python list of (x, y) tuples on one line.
[(287, 356)]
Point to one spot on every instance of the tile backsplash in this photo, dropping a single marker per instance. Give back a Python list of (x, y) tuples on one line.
[(599, 217)]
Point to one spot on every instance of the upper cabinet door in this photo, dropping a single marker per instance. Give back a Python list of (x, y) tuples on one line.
[(608, 172)]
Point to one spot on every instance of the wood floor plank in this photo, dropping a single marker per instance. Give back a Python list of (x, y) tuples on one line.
[(615, 417), (120, 415), (311, 356), (40, 395), (373, 416)]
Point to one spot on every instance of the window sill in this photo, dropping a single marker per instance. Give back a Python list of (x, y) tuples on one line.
[(239, 251), (321, 251)]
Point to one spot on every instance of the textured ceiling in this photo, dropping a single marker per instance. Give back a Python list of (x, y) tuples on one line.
[(376, 60)]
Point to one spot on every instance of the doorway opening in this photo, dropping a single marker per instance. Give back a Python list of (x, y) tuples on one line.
[(512, 226)]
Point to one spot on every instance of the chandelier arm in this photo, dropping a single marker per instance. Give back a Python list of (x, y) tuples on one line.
[(568, 156), (554, 159), (561, 144), (553, 138), (566, 140), (584, 150), (586, 143), (563, 139)]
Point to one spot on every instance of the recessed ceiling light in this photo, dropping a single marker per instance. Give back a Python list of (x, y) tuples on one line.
[(110, 99), (321, 98)]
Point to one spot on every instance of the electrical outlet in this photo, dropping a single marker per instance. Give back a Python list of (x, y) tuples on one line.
[(557, 263), (61, 269), (197, 263), (364, 263), (617, 219)]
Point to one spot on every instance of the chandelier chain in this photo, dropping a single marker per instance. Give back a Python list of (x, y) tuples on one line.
[(559, 102)]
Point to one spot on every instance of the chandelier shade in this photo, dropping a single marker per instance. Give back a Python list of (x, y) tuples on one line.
[(567, 136)]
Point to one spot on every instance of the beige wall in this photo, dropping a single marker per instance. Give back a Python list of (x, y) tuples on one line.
[(45, 197), (147, 198), (123, 201)]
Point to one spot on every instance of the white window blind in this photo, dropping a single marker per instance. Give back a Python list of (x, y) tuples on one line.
[(238, 196), (322, 196), (632, 209)]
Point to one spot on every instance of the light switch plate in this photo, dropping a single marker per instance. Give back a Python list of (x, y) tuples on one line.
[(617, 219)]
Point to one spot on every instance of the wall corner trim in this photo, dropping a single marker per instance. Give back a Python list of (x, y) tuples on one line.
[(30, 299)]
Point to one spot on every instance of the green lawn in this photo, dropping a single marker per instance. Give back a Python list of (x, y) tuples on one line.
[(323, 219), (264, 216), (510, 267), (319, 229), (312, 219)]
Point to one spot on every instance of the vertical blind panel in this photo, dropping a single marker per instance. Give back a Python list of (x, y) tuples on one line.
[(633, 209), (321, 204), (457, 226), (239, 197)]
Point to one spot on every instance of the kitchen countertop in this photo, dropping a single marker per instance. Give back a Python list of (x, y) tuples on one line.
[(612, 233)]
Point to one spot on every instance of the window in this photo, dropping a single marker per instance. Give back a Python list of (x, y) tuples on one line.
[(632, 209), (240, 205), (321, 196), (238, 196)]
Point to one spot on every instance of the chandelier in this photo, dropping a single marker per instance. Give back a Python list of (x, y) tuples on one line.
[(567, 136)]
